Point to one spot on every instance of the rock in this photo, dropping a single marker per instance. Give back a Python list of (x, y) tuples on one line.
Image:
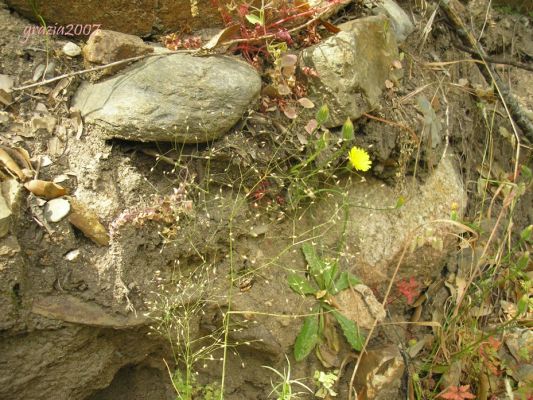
[(4, 118), (379, 376), (5, 217), (9, 246), (69, 361), (57, 209), (141, 17), (71, 49), (352, 67), (104, 47), (50, 70), (72, 309), (401, 23), (171, 98), (6, 82), (360, 305), (10, 195), (87, 221), (376, 238), (38, 72), (72, 255), (43, 122)]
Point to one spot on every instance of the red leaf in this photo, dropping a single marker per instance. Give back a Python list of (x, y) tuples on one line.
[(457, 393), (408, 289)]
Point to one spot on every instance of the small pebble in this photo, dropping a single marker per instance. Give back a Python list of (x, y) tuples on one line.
[(38, 73), (56, 209), (71, 49), (72, 255), (49, 72)]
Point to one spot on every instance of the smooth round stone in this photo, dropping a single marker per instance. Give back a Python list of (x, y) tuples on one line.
[(71, 49), (56, 209)]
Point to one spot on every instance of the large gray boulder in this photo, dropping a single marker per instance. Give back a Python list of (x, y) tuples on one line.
[(171, 98), (352, 67)]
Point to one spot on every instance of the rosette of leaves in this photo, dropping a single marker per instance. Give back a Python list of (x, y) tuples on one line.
[(318, 330)]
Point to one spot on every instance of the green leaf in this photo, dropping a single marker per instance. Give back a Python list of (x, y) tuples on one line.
[(525, 235), (300, 285), (522, 262), (344, 281), (347, 130), (330, 272), (522, 305), (526, 172), (254, 19), (400, 202), (322, 114), (350, 330), (316, 266), (307, 339)]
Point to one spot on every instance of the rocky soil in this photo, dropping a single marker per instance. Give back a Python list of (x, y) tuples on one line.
[(176, 175)]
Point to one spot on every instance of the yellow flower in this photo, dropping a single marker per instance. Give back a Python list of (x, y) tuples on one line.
[(360, 159)]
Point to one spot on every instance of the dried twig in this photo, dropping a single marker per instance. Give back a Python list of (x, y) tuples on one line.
[(98, 68), (493, 60)]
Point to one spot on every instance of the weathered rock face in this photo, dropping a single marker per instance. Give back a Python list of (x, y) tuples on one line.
[(352, 67), (67, 362), (171, 98), (139, 18), (375, 238)]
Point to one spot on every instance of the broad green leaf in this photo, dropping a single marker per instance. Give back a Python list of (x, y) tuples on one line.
[(254, 19), (347, 130), (350, 330), (300, 285), (307, 339), (316, 265), (322, 114), (344, 281)]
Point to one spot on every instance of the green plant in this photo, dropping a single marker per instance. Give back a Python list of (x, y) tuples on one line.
[(283, 389), (325, 155), (325, 382), (318, 328), (174, 314), (188, 388)]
